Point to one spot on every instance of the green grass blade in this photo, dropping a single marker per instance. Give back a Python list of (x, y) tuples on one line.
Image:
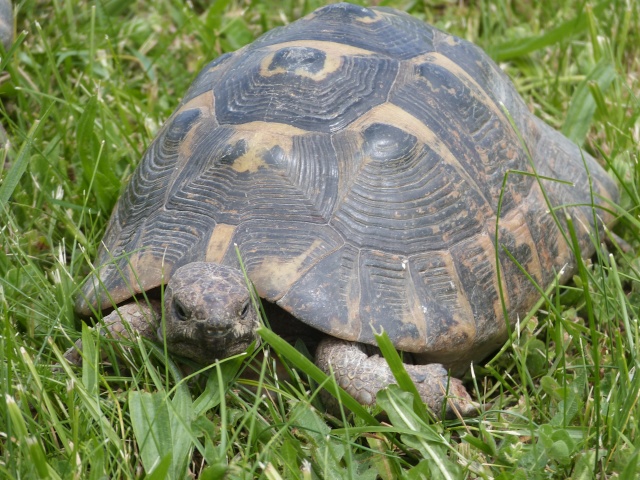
[(214, 391), (631, 470), (399, 406), (303, 363), (31, 445), (396, 365), (584, 277), (159, 425), (161, 470), (513, 49), (90, 403), (583, 105), (15, 173)]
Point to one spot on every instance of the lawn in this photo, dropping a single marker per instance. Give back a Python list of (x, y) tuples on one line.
[(84, 90)]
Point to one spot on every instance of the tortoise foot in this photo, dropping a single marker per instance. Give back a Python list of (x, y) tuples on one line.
[(363, 375), (123, 322)]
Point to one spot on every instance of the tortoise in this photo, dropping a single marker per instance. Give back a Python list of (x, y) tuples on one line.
[(365, 168)]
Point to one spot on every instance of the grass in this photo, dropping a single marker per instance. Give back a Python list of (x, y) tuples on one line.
[(85, 89)]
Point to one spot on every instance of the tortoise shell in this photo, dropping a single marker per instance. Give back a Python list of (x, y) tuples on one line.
[(365, 167)]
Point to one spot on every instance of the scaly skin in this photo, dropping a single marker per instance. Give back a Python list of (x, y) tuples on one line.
[(363, 376), (208, 313), (209, 316), (121, 323)]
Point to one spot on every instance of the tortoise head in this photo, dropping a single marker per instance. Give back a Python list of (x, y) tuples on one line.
[(209, 313)]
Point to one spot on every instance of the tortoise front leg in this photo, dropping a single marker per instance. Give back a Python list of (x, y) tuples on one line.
[(132, 317), (362, 376)]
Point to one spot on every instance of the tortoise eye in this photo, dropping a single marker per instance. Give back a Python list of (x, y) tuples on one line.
[(179, 311), (245, 309)]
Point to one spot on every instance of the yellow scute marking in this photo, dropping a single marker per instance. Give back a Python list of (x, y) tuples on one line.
[(484, 241), (376, 18), (414, 314), (475, 88), (330, 48), (516, 224), (278, 274), (202, 102), (260, 138), (332, 63), (219, 243), (147, 271), (261, 130), (250, 161)]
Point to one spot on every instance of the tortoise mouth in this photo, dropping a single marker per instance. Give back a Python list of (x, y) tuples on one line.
[(206, 348), (215, 333)]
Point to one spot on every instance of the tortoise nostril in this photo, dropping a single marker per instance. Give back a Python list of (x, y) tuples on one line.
[(215, 330)]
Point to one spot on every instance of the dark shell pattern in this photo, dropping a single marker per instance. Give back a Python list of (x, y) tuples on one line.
[(357, 159)]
